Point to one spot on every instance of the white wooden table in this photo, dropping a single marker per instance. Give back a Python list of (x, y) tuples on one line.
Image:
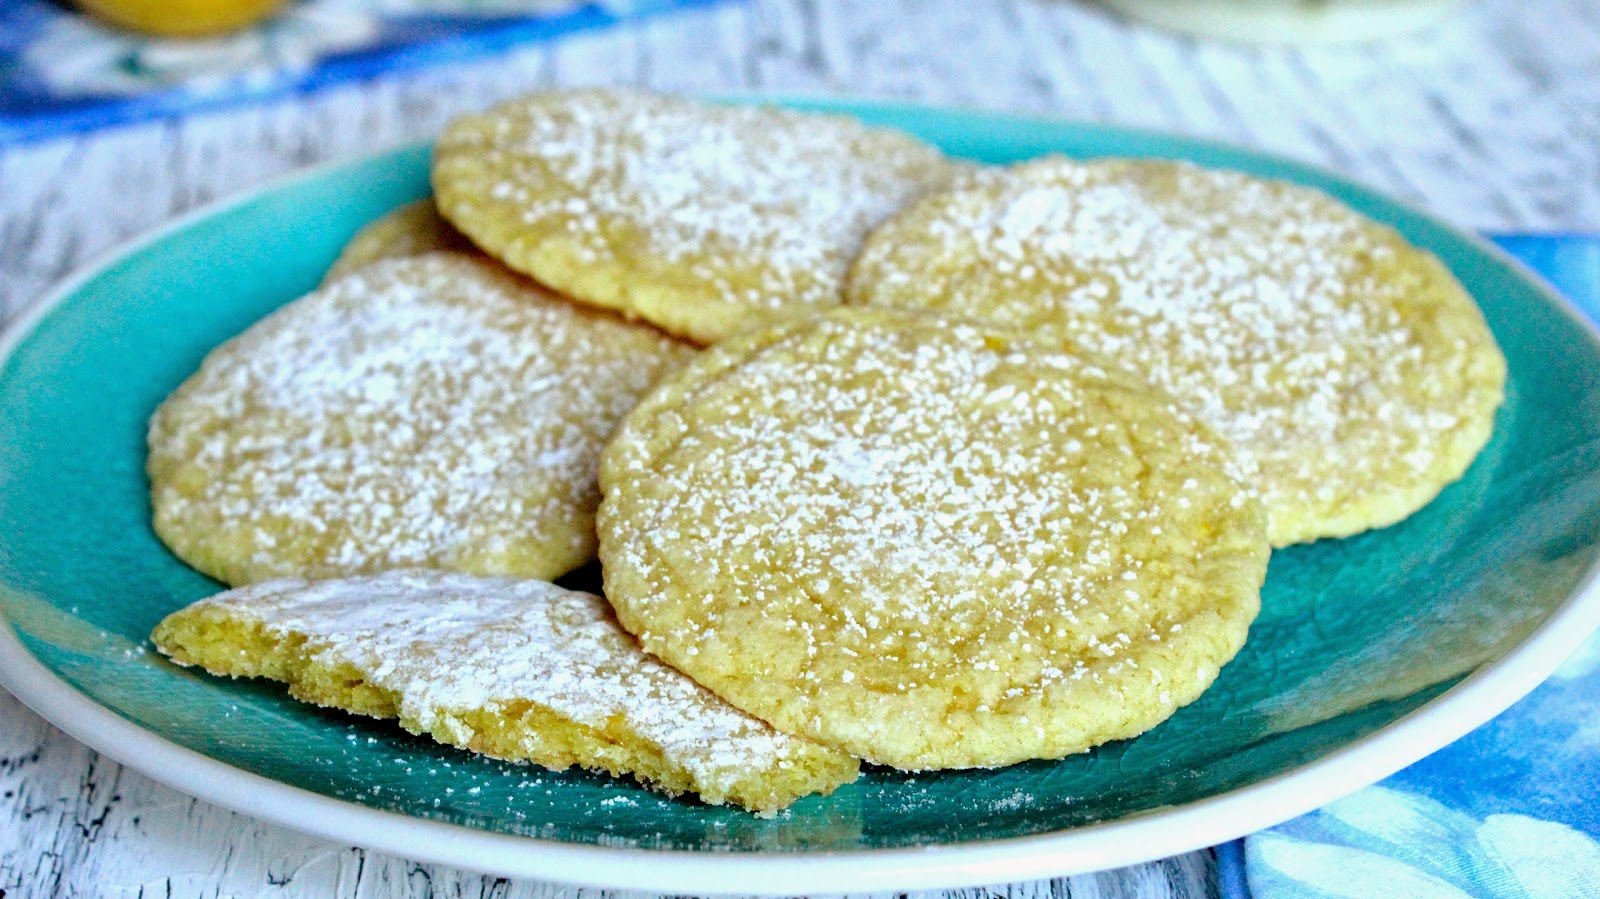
[(1492, 120)]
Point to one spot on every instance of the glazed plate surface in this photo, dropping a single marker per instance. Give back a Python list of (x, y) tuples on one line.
[(1369, 653)]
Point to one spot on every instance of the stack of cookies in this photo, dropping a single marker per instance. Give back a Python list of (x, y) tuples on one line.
[(884, 456)]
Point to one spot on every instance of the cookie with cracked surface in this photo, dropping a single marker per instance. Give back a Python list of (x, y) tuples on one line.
[(409, 230), (928, 543), (701, 218), (434, 412), (521, 670), (1351, 370)]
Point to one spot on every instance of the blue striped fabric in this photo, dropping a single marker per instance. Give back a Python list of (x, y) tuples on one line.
[(62, 72)]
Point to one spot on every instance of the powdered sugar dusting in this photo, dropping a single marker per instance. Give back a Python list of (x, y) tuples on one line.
[(1200, 299), (756, 206), (434, 412), (445, 642), (1283, 318), (905, 489), (915, 506)]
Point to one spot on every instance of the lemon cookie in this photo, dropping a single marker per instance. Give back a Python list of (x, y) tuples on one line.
[(515, 669), (928, 543), (701, 218), (435, 412), (410, 230), (1353, 373)]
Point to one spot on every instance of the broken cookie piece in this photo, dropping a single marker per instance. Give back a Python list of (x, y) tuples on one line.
[(520, 670)]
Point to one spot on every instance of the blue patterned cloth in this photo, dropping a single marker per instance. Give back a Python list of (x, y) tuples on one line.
[(1510, 811), (63, 72)]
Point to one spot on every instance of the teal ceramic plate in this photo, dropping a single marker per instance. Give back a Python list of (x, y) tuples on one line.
[(1369, 653)]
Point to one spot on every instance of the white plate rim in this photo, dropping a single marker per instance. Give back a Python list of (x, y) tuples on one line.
[(1143, 837)]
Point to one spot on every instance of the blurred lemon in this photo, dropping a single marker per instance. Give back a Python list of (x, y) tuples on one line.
[(181, 18)]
